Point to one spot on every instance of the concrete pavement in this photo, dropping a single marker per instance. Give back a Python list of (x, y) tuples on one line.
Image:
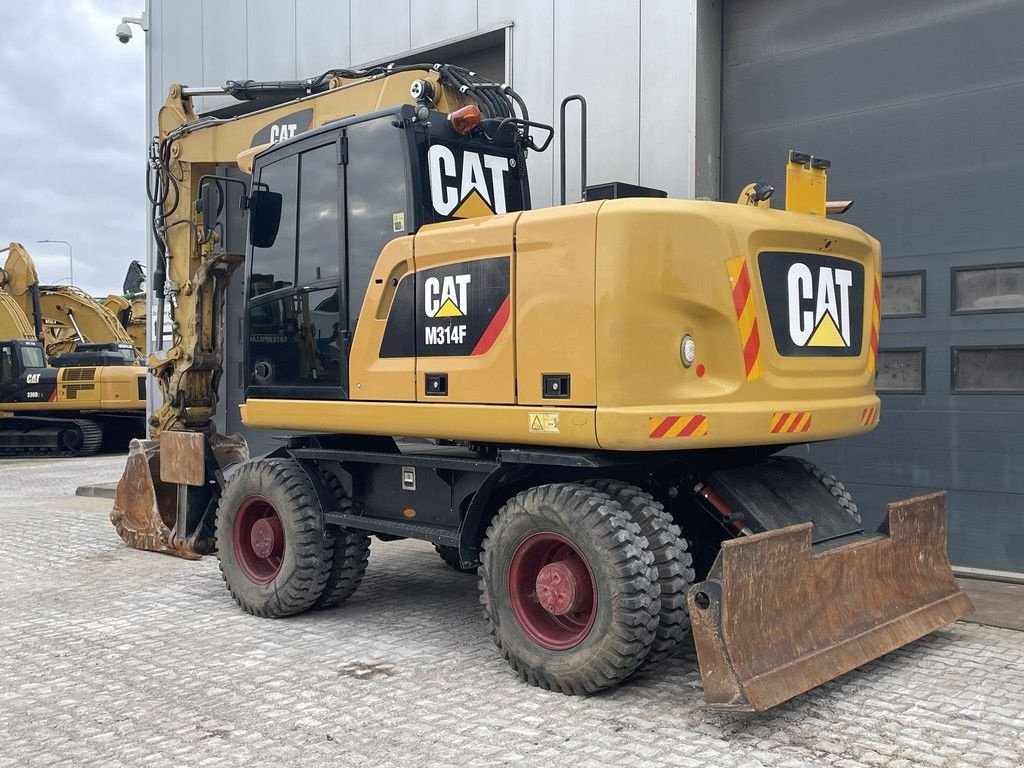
[(109, 656)]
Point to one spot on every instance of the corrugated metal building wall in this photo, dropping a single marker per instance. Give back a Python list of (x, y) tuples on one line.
[(920, 107)]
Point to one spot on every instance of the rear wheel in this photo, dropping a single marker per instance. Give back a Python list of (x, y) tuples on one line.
[(452, 559), (831, 483), (350, 553), (671, 558), (275, 555), (568, 588)]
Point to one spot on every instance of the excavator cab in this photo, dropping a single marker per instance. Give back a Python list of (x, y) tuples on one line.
[(22, 366), (325, 204)]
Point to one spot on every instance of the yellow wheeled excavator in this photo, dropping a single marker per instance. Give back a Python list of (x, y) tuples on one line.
[(72, 404), (600, 391)]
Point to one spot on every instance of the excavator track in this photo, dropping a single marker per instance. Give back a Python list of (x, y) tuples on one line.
[(56, 437)]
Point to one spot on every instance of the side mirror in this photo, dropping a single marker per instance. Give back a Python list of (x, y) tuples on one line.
[(264, 217), (209, 205)]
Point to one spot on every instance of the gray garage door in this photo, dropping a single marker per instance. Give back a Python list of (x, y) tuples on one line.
[(920, 106)]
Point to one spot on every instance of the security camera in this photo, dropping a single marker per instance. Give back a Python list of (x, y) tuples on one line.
[(124, 32)]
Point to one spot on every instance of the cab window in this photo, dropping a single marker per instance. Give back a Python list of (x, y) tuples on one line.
[(319, 227), (293, 340), (6, 364), (275, 265), (378, 200), (32, 357)]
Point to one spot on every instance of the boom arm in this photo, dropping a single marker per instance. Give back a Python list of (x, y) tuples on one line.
[(13, 323), (72, 317), (20, 281), (191, 270)]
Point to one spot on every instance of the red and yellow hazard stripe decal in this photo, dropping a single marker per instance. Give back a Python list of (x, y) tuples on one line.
[(790, 421), (688, 425), (746, 317), (868, 417), (876, 316)]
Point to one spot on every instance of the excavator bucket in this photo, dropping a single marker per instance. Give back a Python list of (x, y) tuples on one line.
[(146, 512), (776, 616)]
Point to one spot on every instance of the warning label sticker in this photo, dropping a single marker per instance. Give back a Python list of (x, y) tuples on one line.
[(544, 422)]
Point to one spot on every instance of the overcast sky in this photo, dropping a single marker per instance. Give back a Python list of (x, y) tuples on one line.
[(73, 138)]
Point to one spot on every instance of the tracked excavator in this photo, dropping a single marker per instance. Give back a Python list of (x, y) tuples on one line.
[(70, 317), (75, 403), (587, 404)]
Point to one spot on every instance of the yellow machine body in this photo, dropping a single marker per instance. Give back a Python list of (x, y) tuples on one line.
[(604, 293), (91, 388)]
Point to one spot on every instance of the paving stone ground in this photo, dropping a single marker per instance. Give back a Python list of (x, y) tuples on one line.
[(109, 656)]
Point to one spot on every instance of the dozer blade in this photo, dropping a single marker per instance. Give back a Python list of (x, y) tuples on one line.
[(775, 618), (146, 513)]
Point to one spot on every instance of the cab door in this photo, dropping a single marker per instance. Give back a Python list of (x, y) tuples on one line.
[(382, 283), (7, 372), (296, 318)]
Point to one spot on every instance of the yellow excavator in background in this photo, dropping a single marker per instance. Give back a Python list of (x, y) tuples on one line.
[(72, 404), (70, 317), (600, 390), (129, 306)]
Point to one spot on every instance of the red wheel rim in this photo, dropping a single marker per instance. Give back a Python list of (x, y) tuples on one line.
[(258, 539), (552, 591)]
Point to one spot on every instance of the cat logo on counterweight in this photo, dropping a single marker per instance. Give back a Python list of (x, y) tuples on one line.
[(815, 303)]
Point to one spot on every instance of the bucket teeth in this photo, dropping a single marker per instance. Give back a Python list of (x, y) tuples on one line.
[(776, 617)]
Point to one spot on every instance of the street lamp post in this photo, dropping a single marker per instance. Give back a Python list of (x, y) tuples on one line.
[(71, 256)]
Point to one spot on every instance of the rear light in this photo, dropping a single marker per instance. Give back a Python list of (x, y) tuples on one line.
[(465, 120), (687, 350)]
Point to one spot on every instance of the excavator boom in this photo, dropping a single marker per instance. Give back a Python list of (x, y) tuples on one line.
[(72, 317)]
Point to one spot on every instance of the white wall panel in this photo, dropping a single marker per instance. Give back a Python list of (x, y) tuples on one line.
[(379, 28), (224, 47), (322, 36), (532, 48), (181, 52), (271, 35), (597, 53), (433, 21), (667, 50)]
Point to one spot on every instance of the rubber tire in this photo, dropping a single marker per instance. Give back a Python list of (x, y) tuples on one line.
[(350, 553), (451, 558), (627, 606), (831, 483), (671, 558), (307, 558)]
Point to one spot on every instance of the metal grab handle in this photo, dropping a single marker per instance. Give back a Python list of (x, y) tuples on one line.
[(583, 144)]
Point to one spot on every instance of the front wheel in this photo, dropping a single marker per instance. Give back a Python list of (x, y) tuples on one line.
[(275, 555), (569, 588)]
